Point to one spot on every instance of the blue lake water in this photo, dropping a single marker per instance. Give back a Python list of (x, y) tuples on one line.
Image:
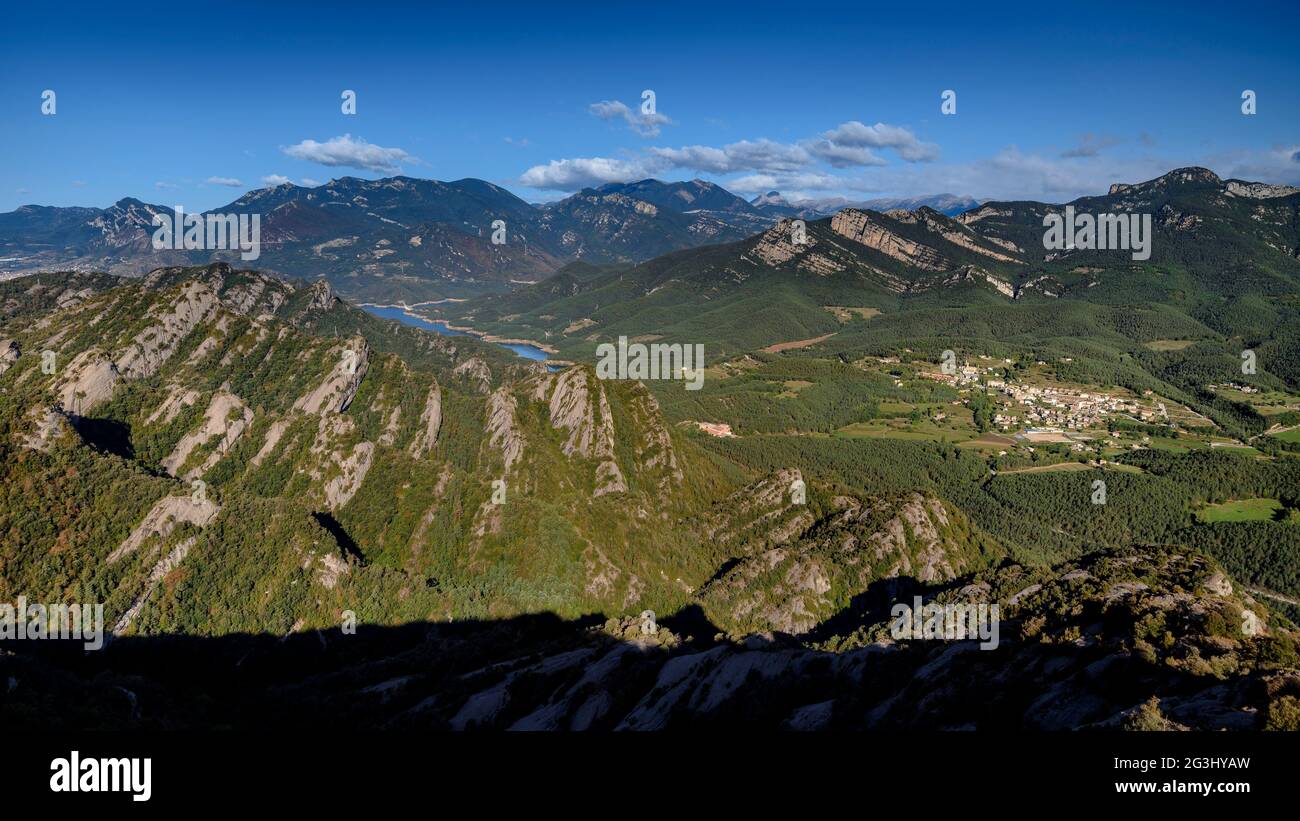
[(532, 352)]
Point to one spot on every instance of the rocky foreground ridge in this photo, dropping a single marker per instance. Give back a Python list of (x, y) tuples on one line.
[(1151, 638)]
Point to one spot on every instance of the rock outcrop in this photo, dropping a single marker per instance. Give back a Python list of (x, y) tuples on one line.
[(502, 430), (475, 371), (1259, 190), (89, 380), (226, 417), (863, 228), (155, 344), (177, 399), (578, 405), (785, 583), (9, 353), (162, 519), (351, 472), (334, 394), (430, 423), (48, 425)]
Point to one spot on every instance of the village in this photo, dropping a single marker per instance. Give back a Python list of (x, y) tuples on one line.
[(1046, 408)]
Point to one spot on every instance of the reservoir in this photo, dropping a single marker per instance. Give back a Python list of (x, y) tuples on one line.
[(532, 352)]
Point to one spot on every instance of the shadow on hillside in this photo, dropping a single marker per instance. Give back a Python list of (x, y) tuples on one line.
[(874, 604), (369, 679), (870, 606), (107, 435), (341, 537)]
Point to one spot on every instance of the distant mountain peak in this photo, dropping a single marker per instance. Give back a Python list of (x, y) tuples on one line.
[(770, 198), (1191, 173), (774, 202), (1179, 176)]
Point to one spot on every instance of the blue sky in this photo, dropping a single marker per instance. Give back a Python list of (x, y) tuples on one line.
[(195, 104)]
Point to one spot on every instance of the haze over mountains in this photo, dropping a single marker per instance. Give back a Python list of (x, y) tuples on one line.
[(774, 203)]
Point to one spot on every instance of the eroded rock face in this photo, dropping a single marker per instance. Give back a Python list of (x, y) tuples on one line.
[(335, 393), (177, 399), (785, 582), (983, 213), (765, 512), (227, 417), (330, 570), (160, 569), (273, 436), (352, 471), (777, 246), (260, 296), (572, 409), (958, 234), (155, 344), (430, 423), (9, 353), (48, 425), (859, 226), (1259, 190), (322, 296), (655, 450), (162, 519), (89, 380), (578, 404), (477, 372), (503, 433)]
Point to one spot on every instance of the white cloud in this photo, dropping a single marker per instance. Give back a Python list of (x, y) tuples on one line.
[(746, 155), (854, 134), (843, 156), (347, 152), (809, 167), (585, 172), (230, 181), (1280, 164), (847, 146), (1013, 174), (275, 179), (647, 125), (793, 186), (162, 185), (309, 182)]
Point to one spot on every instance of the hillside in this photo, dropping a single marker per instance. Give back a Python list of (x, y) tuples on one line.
[(218, 456), (226, 417)]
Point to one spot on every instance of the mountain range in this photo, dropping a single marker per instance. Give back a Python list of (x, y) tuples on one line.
[(1225, 262), (774, 203), (401, 238)]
